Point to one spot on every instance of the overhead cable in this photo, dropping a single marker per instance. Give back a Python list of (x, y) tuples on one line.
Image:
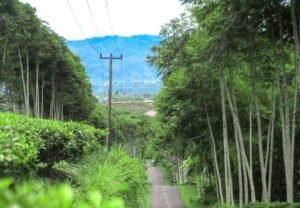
[(81, 29), (111, 26), (94, 23)]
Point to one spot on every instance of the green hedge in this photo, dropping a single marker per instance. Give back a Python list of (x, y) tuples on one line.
[(26, 142)]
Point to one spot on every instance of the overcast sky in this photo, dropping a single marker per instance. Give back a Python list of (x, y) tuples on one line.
[(129, 17)]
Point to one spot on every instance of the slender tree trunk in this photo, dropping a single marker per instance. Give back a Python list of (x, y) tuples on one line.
[(36, 94), (245, 177), (250, 139), (233, 109), (216, 164), (240, 175), (296, 29), (27, 83), (53, 98), (228, 177), (271, 148), (261, 154), (26, 97), (42, 98), (4, 57)]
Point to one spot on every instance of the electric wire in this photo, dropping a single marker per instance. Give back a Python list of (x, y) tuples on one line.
[(111, 26), (94, 23), (81, 29)]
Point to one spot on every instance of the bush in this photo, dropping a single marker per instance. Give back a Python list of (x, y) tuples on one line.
[(18, 154), (265, 205), (26, 142), (36, 195), (273, 205), (115, 174)]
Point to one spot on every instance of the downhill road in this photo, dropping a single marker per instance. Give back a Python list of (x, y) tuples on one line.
[(162, 196)]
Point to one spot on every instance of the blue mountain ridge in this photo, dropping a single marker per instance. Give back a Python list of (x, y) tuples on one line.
[(132, 75)]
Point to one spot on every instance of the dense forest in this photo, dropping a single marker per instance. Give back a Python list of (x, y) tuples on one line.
[(228, 111), (40, 76)]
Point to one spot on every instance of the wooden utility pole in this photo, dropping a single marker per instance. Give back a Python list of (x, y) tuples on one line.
[(110, 58)]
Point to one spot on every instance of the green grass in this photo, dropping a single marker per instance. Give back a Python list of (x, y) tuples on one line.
[(114, 174), (188, 195)]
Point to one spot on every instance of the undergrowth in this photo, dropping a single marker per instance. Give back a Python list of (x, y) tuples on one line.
[(114, 174)]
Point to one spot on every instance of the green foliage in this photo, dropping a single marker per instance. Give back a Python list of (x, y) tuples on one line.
[(17, 153), (114, 174), (188, 196), (273, 205), (36, 195), (247, 48), (56, 76), (25, 142), (165, 168)]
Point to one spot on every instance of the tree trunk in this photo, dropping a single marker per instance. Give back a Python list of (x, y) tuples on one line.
[(245, 176), (239, 167), (37, 91), (26, 96), (233, 109), (4, 57), (216, 164), (42, 98), (228, 177), (271, 148), (296, 28), (261, 154), (27, 83)]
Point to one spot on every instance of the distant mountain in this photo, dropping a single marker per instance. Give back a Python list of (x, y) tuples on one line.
[(132, 75)]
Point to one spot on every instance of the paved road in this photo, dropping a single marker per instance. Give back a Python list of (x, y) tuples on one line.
[(162, 196)]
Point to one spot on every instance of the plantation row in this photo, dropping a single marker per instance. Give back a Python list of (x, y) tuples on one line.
[(28, 143)]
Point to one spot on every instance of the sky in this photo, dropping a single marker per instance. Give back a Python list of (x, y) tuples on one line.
[(125, 17)]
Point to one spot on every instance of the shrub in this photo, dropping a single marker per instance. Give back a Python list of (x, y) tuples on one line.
[(17, 153), (273, 205), (25, 142), (115, 174), (36, 195)]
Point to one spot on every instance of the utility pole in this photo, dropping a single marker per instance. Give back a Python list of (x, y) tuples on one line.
[(110, 58)]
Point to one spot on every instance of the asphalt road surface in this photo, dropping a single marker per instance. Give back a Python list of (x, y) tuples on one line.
[(162, 196)]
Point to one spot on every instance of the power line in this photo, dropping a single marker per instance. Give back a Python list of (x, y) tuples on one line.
[(111, 26), (94, 23), (81, 29)]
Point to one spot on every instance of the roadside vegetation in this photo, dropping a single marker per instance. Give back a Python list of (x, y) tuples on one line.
[(228, 111), (42, 160)]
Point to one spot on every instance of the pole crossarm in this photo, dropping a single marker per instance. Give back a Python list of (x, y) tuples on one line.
[(110, 57)]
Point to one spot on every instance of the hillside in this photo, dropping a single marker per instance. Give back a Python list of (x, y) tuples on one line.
[(130, 76)]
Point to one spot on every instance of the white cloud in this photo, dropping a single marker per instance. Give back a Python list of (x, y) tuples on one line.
[(129, 17)]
